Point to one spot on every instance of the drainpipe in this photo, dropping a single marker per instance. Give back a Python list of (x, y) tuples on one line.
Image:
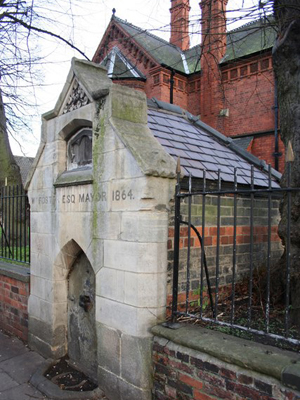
[(276, 153), (172, 85)]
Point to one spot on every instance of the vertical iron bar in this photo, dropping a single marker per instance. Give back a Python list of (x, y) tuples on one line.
[(28, 229), (9, 219), (288, 250), (189, 246), (24, 218), (251, 248), (4, 224), (176, 244), (13, 222), (218, 246), (234, 247), (2, 214), (269, 252), (203, 242), (18, 225)]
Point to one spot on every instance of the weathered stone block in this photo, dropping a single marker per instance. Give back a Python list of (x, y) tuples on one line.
[(134, 256), (128, 104), (109, 348), (136, 361), (45, 339), (144, 227), (118, 389)]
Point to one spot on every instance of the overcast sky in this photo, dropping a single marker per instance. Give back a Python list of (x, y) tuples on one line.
[(90, 22)]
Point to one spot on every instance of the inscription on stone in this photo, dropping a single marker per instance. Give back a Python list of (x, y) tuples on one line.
[(118, 195), (83, 198), (115, 195), (42, 200)]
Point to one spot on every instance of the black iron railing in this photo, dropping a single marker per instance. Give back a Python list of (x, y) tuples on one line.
[(227, 282), (14, 224)]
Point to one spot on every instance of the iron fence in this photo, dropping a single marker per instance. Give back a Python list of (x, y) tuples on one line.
[(14, 224), (240, 297)]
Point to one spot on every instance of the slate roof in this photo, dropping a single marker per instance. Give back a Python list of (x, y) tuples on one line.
[(161, 50), (248, 39), (200, 147), (25, 164), (243, 142)]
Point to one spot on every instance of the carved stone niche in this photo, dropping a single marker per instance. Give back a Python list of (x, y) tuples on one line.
[(79, 149)]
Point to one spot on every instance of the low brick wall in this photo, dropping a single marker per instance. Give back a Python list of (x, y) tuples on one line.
[(14, 293), (213, 366)]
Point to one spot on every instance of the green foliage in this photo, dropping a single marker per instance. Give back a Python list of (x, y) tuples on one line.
[(197, 303)]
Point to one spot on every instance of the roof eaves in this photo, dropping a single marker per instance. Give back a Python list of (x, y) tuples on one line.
[(228, 141)]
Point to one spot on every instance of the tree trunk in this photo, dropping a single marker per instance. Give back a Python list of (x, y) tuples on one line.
[(9, 169), (286, 62)]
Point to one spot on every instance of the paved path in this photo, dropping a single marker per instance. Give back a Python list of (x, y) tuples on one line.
[(17, 365)]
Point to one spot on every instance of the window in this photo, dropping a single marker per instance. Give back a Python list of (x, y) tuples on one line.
[(156, 79), (79, 149), (225, 76), (254, 67), (166, 78), (264, 64), (233, 73), (244, 70)]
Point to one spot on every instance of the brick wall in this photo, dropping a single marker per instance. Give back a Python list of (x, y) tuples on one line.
[(260, 240), (264, 147), (14, 293), (249, 96), (182, 373)]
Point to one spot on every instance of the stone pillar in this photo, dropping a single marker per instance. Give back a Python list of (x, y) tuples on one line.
[(131, 286), (116, 212)]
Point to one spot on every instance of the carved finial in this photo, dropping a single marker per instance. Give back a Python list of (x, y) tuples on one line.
[(113, 11), (289, 153)]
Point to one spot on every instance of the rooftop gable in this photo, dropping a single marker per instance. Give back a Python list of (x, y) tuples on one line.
[(249, 39), (119, 67)]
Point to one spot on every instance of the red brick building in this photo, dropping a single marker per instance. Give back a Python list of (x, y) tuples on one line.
[(227, 80)]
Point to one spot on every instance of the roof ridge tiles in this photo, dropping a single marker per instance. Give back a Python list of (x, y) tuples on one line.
[(249, 24), (144, 31)]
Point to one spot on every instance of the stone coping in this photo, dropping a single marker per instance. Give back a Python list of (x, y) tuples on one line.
[(18, 272), (75, 177), (268, 360)]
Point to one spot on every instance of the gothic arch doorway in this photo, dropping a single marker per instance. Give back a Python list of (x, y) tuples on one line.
[(82, 339)]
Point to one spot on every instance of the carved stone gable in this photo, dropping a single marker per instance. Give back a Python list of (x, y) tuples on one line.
[(77, 98)]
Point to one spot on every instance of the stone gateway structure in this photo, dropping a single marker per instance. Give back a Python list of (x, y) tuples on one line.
[(98, 193)]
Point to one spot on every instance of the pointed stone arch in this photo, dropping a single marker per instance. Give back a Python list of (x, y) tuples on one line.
[(62, 268)]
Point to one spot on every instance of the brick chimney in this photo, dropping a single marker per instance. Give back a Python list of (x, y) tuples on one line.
[(213, 43), (213, 27), (180, 10)]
